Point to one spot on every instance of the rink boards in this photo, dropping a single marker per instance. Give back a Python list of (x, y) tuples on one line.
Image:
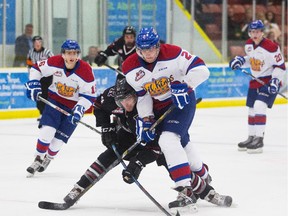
[(223, 88)]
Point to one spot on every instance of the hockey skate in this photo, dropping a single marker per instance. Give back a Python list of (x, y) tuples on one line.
[(34, 167), (242, 146), (185, 202), (45, 163), (256, 146), (217, 199), (73, 195)]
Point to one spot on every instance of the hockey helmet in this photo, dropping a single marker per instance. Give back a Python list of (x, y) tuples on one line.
[(36, 38), (129, 30), (70, 45), (147, 38), (257, 24), (122, 91)]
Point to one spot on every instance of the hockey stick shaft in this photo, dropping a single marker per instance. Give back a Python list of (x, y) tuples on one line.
[(63, 206), (259, 81), (112, 68), (130, 149), (139, 185), (66, 113)]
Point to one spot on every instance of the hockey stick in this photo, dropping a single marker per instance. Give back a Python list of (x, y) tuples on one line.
[(141, 187), (259, 81), (64, 206), (66, 113), (198, 100), (112, 68)]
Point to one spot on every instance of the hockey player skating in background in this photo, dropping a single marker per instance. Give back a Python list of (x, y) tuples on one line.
[(123, 47), (38, 53), (266, 62), (120, 101), (164, 75), (72, 88)]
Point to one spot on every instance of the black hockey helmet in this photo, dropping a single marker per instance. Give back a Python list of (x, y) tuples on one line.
[(36, 38), (122, 91), (129, 30)]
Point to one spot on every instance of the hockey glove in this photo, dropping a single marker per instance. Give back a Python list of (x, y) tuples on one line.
[(101, 58), (33, 89), (274, 85), (180, 95), (133, 170), (142, 131), (108, 135), (237, 62), (77, 114)]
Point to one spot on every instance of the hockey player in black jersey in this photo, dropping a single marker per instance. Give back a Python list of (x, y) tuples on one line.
[(123, 47), (120, 132), (120, 101)]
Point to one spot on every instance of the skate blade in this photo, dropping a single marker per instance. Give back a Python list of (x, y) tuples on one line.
[(192, 208), (242, 149), (29, 175), (255, 151)]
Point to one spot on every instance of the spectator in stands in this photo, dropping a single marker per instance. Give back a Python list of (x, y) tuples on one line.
[(271, 26), (261, 16), (199, 18), (92, 53), (234, 27), (271, 36), (23, 44), (247, 21)]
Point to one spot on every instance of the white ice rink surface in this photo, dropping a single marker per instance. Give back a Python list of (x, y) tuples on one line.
[(257, 183)]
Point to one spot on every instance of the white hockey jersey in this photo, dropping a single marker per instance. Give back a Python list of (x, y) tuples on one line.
[(265, 60), (152, 81), (68, 86)]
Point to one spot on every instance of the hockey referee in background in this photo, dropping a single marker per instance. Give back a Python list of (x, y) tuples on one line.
[(39, 53)]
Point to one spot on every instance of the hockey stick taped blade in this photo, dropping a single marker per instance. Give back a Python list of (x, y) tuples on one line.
[(53, 206)]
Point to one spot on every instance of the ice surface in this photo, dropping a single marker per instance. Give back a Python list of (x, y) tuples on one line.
[(257, 183)]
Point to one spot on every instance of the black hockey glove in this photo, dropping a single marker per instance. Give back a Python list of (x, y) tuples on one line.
[(109, 136), (133, 169), (101, 58)]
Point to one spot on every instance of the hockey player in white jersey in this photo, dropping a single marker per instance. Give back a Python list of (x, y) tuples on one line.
[(72, 89), (165, 75), (266, 62)]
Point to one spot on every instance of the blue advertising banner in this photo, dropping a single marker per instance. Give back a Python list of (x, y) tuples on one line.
[(10, 21), (224, 83), (13, 91), (150, 15)]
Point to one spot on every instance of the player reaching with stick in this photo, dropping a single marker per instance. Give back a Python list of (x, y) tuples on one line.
[(119, 101), (266, 62), (72, 89), (123, 47)]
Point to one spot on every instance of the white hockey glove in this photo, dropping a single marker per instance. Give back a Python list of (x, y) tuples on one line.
[(237, 62), (33, 89), (274, 85), (180, 95), (77, 114)]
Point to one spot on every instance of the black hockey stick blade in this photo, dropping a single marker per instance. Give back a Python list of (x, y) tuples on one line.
[(53, 206), (198, 100)]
